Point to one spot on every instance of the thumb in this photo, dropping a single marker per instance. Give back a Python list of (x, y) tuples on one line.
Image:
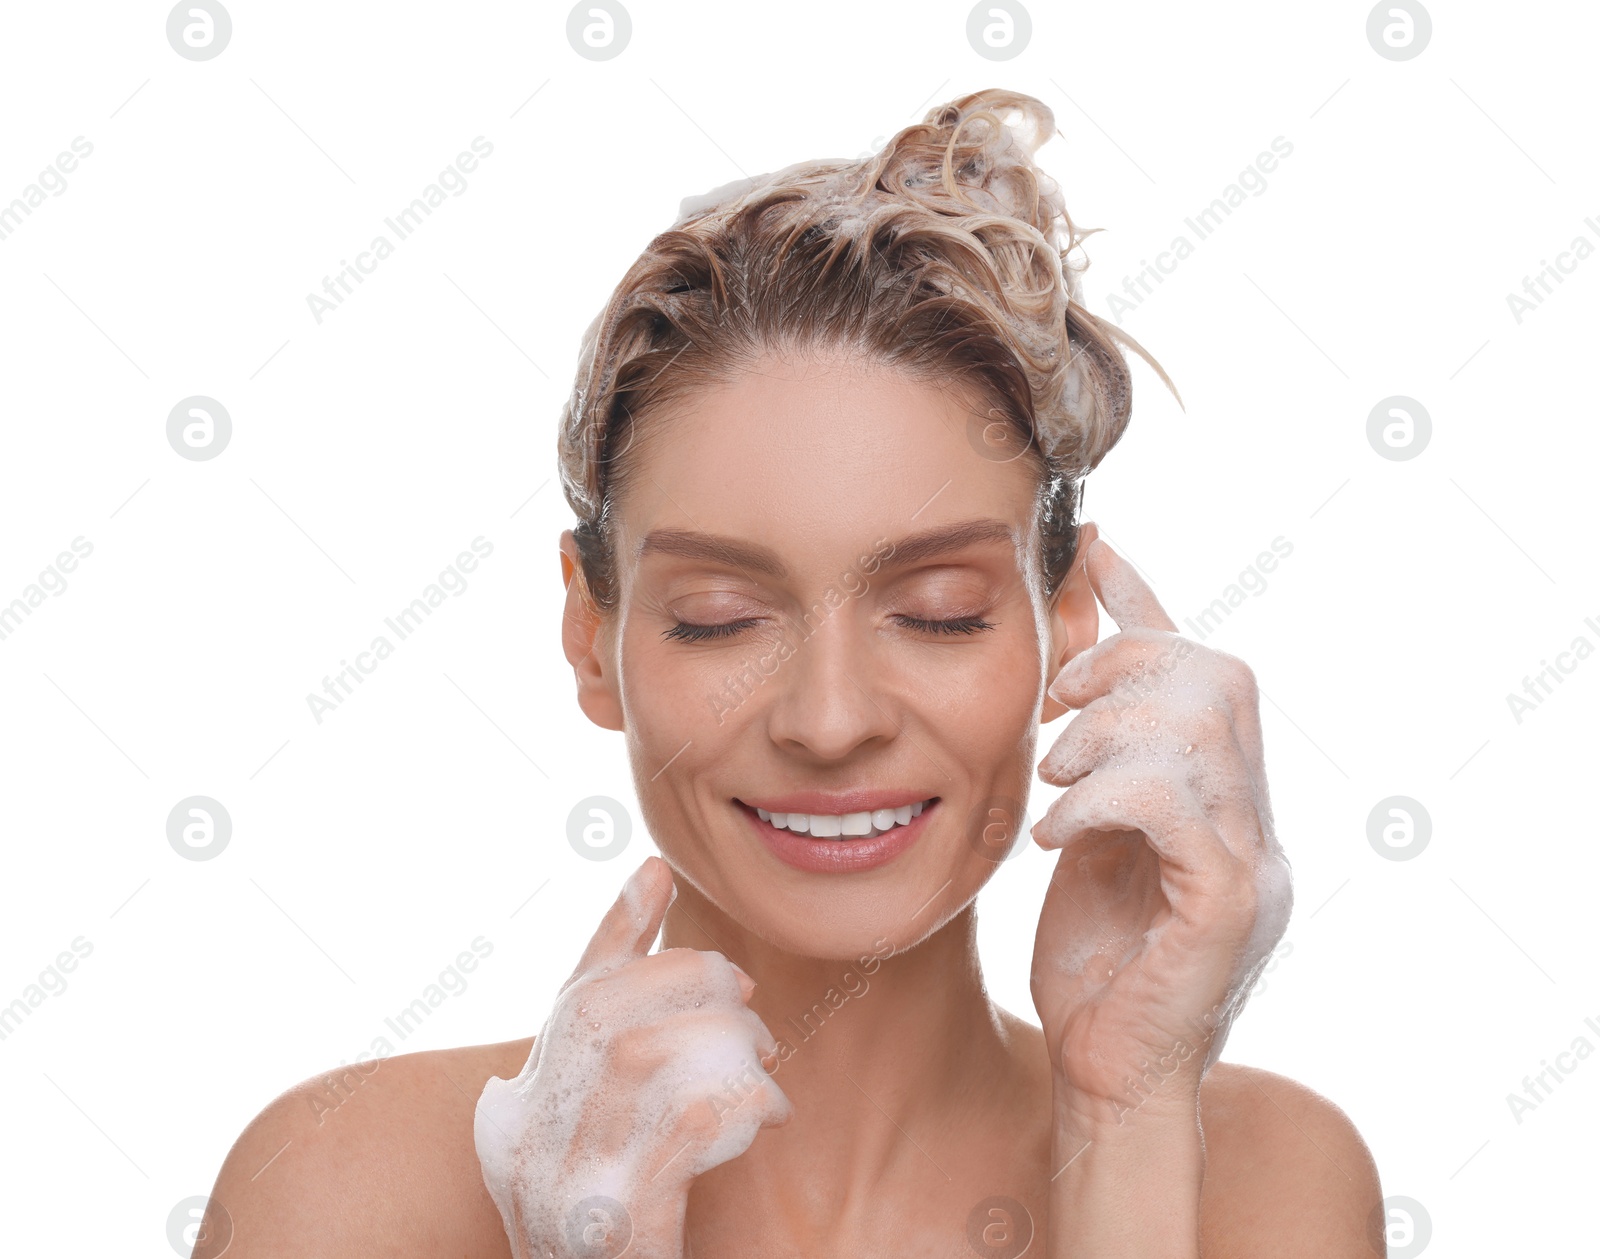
[(630, 926)]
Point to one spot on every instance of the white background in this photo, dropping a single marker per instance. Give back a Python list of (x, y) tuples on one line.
[(368, 450)]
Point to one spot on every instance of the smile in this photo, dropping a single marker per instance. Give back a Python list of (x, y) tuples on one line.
[(865, 825), (840, 842)]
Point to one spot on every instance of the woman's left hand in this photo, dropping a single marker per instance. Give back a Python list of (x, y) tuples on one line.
[(1171, 889)]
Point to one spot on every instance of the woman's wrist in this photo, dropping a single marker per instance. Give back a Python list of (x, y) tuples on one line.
[(1127, 1175)]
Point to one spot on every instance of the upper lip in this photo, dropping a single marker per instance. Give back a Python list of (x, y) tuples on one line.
[(861, 800)]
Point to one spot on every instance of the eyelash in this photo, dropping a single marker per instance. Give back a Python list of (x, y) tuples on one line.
[(685, 632)]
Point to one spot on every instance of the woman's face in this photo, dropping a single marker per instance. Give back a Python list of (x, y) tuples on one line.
[(779, 512)]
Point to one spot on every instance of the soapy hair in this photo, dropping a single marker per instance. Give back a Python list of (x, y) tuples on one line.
[(945, 255)]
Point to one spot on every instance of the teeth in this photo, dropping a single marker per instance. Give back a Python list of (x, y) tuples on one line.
[(846, 825)]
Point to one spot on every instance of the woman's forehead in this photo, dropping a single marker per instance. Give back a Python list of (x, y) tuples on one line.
[(839, 434)]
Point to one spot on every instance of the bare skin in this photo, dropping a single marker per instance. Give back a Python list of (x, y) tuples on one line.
[(916, 1099), (393, 1170)]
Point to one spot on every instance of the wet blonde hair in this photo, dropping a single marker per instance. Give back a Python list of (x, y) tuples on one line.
[(945, 254)]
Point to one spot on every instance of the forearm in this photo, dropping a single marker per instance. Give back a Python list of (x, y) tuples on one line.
[(1127, 1182)]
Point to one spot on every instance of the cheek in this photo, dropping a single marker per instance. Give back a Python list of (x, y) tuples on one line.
[(655, 696), (672, 697), (997, 686), (671, 733), (984, 707)]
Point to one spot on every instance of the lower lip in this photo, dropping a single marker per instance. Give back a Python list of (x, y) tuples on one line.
[(838, 856)]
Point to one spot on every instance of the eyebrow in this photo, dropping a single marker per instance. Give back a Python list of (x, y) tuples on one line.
[(734, 553)]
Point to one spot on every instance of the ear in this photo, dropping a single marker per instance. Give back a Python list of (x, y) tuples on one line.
[(584, 641), (1074, 619)]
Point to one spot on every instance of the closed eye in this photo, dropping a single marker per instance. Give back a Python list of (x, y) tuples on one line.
[(967, 625), (960, 625), (684, 632)]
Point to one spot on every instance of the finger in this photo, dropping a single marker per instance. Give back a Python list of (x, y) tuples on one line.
[(686, 975), (773, 1107), (1118, 723), (736, 1044), (705, 1043), (1158, 804), (744, 1095), (1200, 748), (630, 926), (705, 1132), (1220, 682), (1112, 880), (719, 1100), (1082, 746), (765, 1042), (1130, 666), (1123, 593), (1237, 681)]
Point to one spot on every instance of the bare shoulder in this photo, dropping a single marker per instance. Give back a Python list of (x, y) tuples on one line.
[(1286, 1170), (373, 1158)]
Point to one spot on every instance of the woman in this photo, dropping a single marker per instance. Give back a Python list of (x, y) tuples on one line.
[(825, 449)]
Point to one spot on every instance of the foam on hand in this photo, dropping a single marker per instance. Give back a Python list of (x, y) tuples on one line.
[(1156, 770), (633, 1088)]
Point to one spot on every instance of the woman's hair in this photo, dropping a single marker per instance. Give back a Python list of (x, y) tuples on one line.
[(944, 255)]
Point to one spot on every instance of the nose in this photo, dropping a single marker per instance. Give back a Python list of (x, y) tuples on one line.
[(833, 694)]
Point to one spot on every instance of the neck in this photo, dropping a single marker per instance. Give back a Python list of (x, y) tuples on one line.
[(872, 1050)]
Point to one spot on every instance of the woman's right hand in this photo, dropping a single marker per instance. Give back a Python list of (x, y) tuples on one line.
[(648, 1072)]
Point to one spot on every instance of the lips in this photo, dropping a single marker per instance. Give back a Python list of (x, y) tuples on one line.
[(843, 855)]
